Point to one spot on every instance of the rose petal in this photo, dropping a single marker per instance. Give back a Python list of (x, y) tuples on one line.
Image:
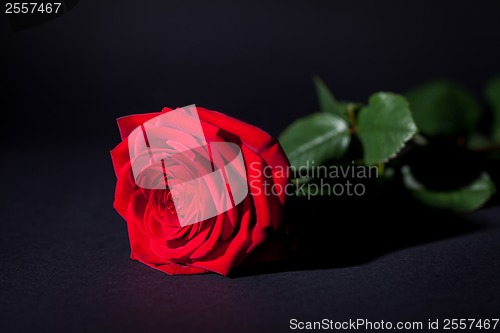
[(120, 156), (253, 137)]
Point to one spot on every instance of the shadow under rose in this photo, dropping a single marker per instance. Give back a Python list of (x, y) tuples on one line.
[(334, 232)]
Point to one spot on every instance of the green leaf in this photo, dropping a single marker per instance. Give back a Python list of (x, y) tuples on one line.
[(318, 137), (465, 199), (327, 101), (384, 125), (444, 108), (493, 97)]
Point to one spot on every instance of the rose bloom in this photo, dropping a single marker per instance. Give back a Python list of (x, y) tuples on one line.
[(218, 243)]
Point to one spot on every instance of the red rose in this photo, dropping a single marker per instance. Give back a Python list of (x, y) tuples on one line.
[(217, 244)]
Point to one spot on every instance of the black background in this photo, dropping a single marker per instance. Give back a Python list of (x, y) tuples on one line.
[(72, 77), (64, 251)]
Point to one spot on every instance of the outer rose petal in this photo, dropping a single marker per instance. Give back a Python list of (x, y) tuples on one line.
[(127, 124), (276, 157), (120, 156)]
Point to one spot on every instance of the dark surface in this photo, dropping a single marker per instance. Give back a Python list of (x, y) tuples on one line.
[(65, 266), (63, 249)]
